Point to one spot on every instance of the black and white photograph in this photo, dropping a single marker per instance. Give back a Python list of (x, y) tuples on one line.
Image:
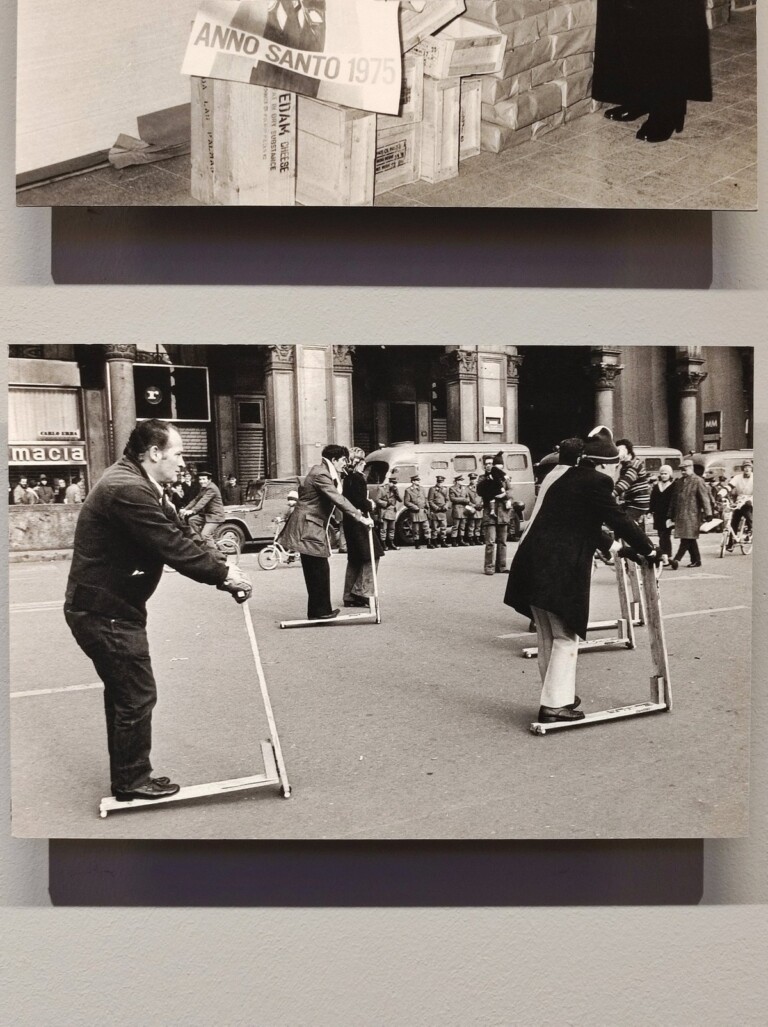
[(395, 103), (288, 591)]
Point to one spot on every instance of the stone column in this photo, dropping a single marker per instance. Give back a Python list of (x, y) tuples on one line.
[(342, 413), (747, 355), (460, 369), (122, 398), (280, 384), (514, 361), (689, 376), (604, 369)]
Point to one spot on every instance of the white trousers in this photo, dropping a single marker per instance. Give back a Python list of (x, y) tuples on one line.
[(558, 651)]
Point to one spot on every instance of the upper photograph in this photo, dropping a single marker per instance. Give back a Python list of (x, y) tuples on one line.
[(398, 103)]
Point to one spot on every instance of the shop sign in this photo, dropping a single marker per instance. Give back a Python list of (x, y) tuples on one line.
[(47, 454), (713, 423)]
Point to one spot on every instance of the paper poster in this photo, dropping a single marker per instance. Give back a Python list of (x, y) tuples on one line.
[(347, 52)]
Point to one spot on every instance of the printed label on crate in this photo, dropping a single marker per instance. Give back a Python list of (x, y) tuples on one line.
[(393, 155), (345, 52)]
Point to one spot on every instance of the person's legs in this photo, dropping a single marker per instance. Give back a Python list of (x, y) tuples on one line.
[(208, 529), (683, 547), (317, 577), (543, 640), (120, 654), (695, 554), (490, 547), (350, 579), (501, 547), (665, 541), (559, 687)]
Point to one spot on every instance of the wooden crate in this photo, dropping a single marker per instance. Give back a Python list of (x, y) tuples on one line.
[(411, 94), (463, 47), (398, 156), (440, 129), (470, 116), (335, 156), (417, 25), (243, 144)]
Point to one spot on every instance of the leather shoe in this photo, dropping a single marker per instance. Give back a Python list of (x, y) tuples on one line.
[(155, 788), (555, 714), (697, 564), (327, 616), (572, 705), (624, 113), (357, 601)]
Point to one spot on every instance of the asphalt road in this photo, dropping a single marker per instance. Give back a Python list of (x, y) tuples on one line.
[(413, 728)]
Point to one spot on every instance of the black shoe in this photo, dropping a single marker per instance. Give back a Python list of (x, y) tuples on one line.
[(155, 788), (431, 545), (417, 547), (697, 564), (357, 601), (674, 564), (327, 616), (555, 714), (444, 545), (624, 113), (662, 123), (573, 705)]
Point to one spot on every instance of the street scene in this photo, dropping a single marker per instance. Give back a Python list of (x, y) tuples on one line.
[(396, 525), (417, 727)]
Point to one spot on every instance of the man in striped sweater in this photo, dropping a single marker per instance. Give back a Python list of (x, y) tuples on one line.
[(633, 488)]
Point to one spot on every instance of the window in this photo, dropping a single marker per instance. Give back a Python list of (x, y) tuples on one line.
[(376, 471), (250, 413), (464, 463), (405, 471), (516, 461), (439, 465)]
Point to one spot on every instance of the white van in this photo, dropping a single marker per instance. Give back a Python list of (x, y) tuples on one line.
[(652, 456), (721, 461), (449, 459)]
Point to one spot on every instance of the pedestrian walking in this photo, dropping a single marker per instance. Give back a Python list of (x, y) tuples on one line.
[(126, 532), (690, 505), (307, 532), (206, 510), (439, 509), (358, 581), (458, 495), (661, 496), (551, 571), (415, 500), (387, 502)]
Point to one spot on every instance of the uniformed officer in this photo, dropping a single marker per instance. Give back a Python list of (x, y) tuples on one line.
[(459, 496), (439, 506), (473, 514), (387, 502), (415, 500)]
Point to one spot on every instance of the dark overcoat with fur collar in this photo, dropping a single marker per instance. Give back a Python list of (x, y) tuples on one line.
[(552, 568)]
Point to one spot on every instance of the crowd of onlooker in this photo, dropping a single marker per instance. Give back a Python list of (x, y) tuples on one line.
[(42, 489)]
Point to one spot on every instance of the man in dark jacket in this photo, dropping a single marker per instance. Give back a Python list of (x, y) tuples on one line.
[(306, 533), (550, 577), (206, 510), (126, 532)]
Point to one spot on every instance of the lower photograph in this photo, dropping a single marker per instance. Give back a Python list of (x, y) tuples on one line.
[(380, 592)]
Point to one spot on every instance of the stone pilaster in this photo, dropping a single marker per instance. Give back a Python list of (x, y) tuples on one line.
[(460, 369), (689, 373), (342, 395), (280, 386), (604, 370), (120, 359), (514, 362)]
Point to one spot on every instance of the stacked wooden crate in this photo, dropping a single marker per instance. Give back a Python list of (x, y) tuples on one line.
[(718, 13), (546, 74)]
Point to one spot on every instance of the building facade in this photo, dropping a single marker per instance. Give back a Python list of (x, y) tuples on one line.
[(267, 410)]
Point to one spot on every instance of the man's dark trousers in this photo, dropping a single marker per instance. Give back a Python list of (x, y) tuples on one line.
[(120, 653), (317, 577)]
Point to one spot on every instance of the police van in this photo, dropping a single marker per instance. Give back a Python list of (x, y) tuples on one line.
[(449, 459), (652, 456), (722, 462)]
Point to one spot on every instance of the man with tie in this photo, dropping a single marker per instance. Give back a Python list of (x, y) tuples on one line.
[(127, 531)]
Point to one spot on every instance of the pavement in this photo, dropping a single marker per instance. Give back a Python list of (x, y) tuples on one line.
[(413, 728)]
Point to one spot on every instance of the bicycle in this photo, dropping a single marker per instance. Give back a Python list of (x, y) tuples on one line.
[(274, 554), (741, 538)]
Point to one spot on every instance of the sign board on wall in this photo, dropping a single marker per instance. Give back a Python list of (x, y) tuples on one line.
[(58, 454), (493, 419)]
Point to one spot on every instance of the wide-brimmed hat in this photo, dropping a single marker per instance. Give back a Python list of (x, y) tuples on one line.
[(599, 446)]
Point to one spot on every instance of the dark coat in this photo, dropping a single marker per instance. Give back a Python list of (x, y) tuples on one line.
[(125, 535), (307, 530), (648, 52), (552, 568), (207, 503), (660, 500), (690, 505), (354, 488)]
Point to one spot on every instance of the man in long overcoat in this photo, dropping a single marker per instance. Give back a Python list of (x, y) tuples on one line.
[(358, 581), (126, 532), (415, 500), (651, 56), (306, 533), (689, 506), (550, 576)]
